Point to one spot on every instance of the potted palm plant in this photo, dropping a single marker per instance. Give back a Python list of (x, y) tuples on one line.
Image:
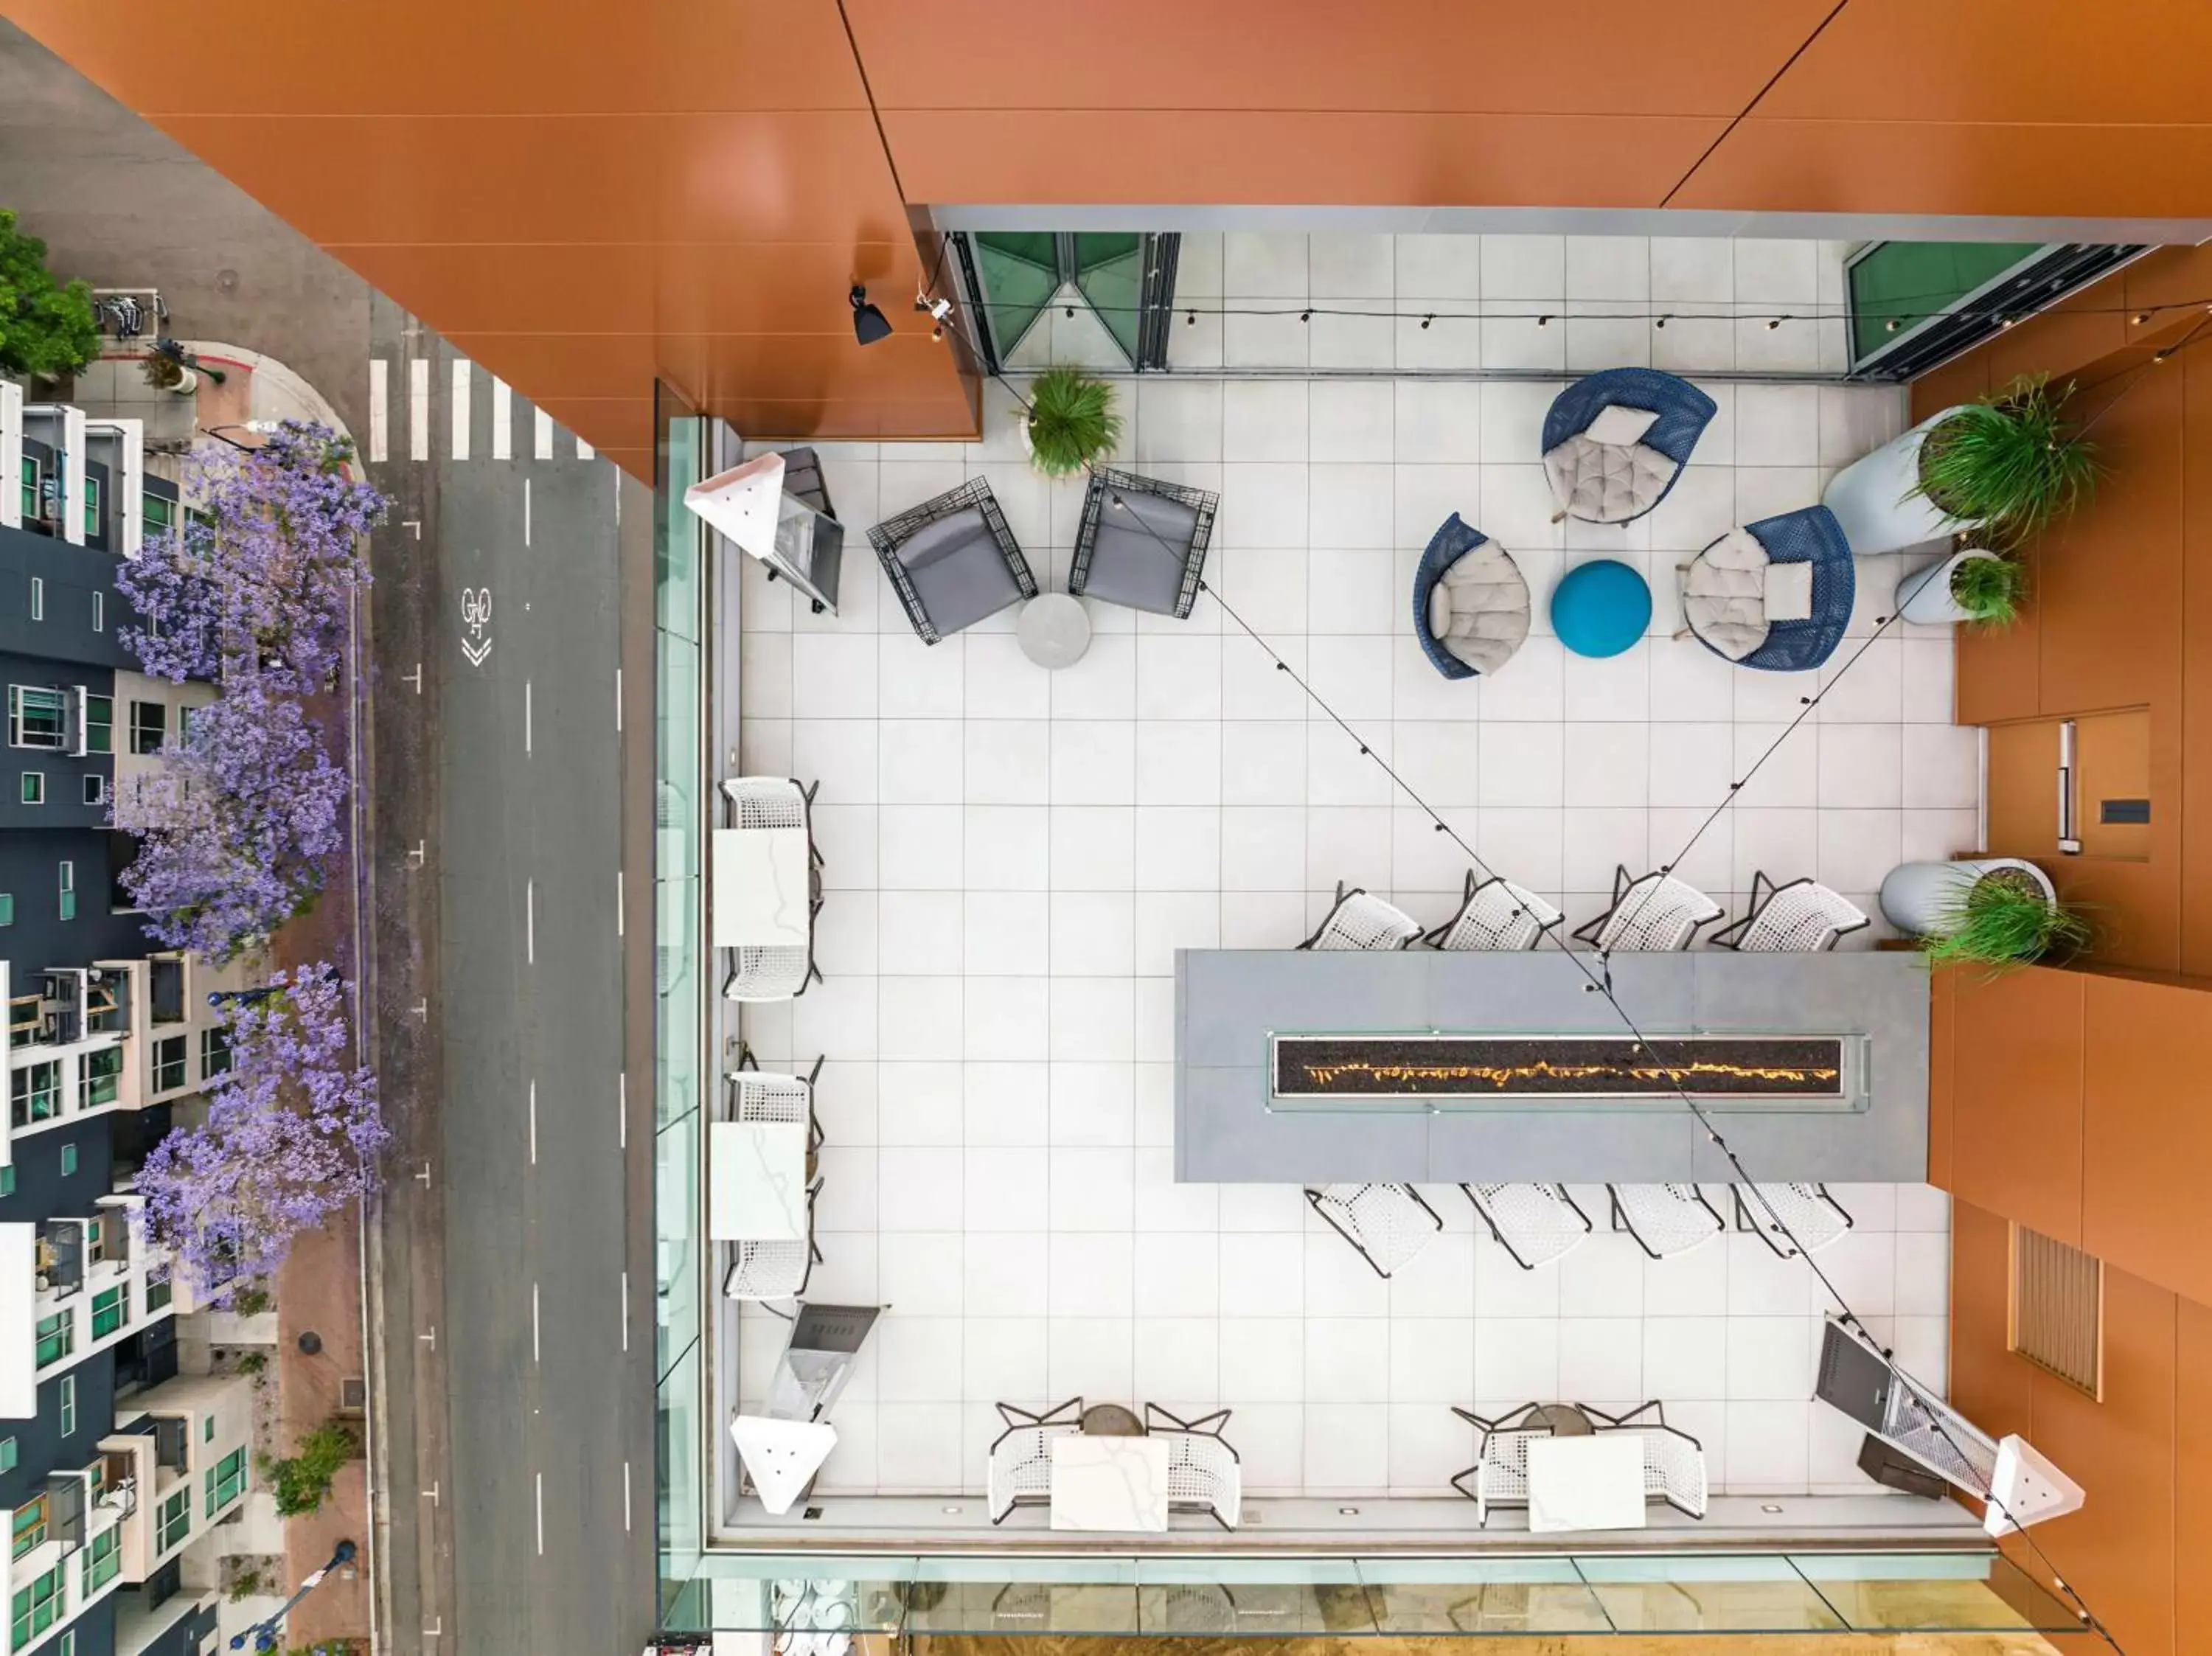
[(1071, 421), (1973, 584), (1995, 912), (2008, 464)]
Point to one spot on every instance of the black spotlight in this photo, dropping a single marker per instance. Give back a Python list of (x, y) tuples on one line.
[(868, 323)]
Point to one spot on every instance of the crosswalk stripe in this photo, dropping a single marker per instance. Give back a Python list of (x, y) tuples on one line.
[(464, 378), (544, 446), (380, 410), (418, 408), (584, 450), (503, 420)]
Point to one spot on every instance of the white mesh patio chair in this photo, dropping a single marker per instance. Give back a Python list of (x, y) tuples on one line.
[(1801, 917), (1388, 1223), (1654, 914), (1204, 1474), (1361, 921), (1781, 1212), (766, 1271), (1674, 1461), (1496, 915), (1021, 1456), (1665, 1219), (1499, 1476), (1534, 1223)]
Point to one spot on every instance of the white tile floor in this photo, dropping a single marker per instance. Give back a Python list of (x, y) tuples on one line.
[(1013, 856)]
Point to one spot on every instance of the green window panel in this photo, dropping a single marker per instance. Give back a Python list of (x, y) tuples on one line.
[(170, 1056), (56, 1337), (226, 1482), (29, 1526), (175, 1518), (36, 1607), (111, 1309), (1905, 282), (1109, 272), (99, 1080)]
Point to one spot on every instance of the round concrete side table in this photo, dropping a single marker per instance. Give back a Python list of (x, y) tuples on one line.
[(1055, 630)]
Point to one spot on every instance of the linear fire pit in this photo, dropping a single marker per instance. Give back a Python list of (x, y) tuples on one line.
[(1441, 1070)]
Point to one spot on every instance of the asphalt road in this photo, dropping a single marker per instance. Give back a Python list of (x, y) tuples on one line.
[(517, 1243)]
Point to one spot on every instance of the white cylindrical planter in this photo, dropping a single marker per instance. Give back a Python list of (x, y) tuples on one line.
[(1877, 500), (1924, 596), (1916, 894)]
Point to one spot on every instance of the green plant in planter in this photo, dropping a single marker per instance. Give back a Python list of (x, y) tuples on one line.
[(1072, 422), (46, 328), (1990, 590), (2002, 920), (2012, 462)]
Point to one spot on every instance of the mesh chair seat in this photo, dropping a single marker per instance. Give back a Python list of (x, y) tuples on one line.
[(765, 802), (1534, 1223), (1813, 535), (1655, 913), (1496, 915), (1673, 1467), (1021, 1456), (1806, 1211), (768, 1271), (1801, 917), (1360, 921), (1665, 1219), (1389, 1224), (1203, 1472), (776, 972), (1684, 412), (1500, 1472)]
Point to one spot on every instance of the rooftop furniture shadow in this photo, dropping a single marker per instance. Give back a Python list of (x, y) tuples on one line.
[(1142, 543), (953, 560)]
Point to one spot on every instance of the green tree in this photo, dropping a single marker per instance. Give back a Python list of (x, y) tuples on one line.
[(45, 327), (300, 1482)]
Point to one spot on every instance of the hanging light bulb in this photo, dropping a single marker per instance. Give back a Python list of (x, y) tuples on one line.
[(1426, 320), (1658, 321)]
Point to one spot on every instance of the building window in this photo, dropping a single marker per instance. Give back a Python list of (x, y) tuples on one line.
[(34, 1093), (149, 725), (67, 877), (99, 724), (159, 1290), (91, 506), (103, 1557), (37, 1607), (95, 790), (100, 612), (226, 1482), (29, 1526), (67, 1646), (69, 1159), (175, 1520), (56, 1338), (36, 717), (185, 718), (37, 598), (6, 1188), (111, 1309), (215, 1053), (6, 909), (157, 513), (170, 1056), (99, 1079), (8, 1452), (31, 492), (68, 1390), (33, 791)]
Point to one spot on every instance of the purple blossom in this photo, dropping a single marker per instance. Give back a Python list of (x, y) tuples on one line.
[(234, 827), (264, 583), (292, 1133)]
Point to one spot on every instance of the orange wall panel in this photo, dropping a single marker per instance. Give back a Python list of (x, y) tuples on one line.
[(1994, 1387), (1275, 56), (2016, 1103), (2192, 717), (2145, 1137), (2192, 1466)]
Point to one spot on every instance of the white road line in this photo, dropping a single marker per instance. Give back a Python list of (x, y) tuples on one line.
[(584, 450), (543, 450), (622, 1106), (530, 921), (533, 1124), (418, 408), (618, 902), (541, 1514), (380, 410), (625, 1310), (502, 420), (526, 717), (533, 1320), (525, 511), (463, 381), (625, 1495), (618, 702)]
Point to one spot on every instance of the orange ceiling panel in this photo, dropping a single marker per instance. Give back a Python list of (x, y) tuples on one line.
[(470, 57), (1768, 165), (611, 423), (1501, 57), (818, 368), (2120, 61), (1208, 156)]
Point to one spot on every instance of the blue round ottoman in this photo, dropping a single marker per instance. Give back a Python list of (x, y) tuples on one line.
[(1600, 609)]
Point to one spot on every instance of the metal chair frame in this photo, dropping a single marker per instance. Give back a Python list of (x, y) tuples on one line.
[(1624, 887), (1560, 1197), (1732, 936), (1528, 908), (1169, 1425), (887, 536), (1061, 1417), (1696, 1197), (1318, 1200), (1106, 482), (1411, 927)]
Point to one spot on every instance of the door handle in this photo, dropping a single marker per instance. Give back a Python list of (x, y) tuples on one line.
[(2070, 844)]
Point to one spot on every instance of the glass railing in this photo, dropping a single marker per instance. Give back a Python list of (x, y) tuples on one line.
[(1577, 1594)]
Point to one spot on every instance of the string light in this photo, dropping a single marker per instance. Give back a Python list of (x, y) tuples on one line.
[(1772, 323), (1543, 321), (1659, 321), (1426, 320)]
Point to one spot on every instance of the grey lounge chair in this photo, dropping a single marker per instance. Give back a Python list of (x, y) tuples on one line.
[(953, 560), (1142, 543)]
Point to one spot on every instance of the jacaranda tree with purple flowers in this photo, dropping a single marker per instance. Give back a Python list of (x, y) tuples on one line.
[(292, 1135), (234, 826), (262, 584)]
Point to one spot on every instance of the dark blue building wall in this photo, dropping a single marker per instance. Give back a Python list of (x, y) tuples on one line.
[(30, 872), (72, 575)]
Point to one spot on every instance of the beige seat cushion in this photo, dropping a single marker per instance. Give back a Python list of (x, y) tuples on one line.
[(1724, 594), (1607, 482), (1478, 608)]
